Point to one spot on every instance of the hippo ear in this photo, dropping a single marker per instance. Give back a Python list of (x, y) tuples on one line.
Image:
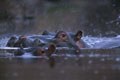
[(51, 49), (45, 32), (79, 33)]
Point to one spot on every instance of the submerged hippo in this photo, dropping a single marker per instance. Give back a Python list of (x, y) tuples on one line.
[(62, 39), (23, 41), (37, 51), (37, 48)]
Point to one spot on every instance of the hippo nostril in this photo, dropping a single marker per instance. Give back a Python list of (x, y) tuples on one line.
[(63, 35), (42, 51)]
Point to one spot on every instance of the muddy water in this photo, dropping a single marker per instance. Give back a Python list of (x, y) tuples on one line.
[(83, 67)]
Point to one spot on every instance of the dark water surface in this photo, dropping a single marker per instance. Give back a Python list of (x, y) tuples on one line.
[(84, 67)]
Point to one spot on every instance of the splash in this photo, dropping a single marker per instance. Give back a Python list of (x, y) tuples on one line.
[(3, 41)]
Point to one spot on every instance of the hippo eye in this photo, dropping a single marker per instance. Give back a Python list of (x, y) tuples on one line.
[(63, 34)]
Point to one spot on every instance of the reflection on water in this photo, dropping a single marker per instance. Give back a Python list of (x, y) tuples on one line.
[(52, 62), (64, 67)]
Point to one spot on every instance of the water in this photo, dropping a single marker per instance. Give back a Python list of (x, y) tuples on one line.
[(86, 66), (65, 68)]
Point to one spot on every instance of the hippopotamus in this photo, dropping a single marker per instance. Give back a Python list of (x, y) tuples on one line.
[(23, 41), (62, 39), (36, 47), (37, 43), (37, 51)]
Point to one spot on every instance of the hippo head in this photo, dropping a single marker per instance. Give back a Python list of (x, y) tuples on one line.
[(39, 52), (62, 36)]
